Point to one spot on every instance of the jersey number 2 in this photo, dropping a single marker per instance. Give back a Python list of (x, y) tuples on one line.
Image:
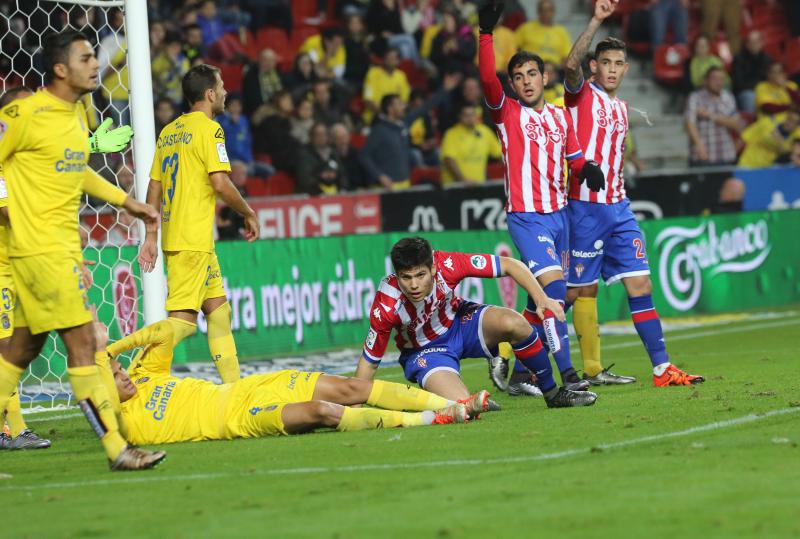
[(639, 248), (170, 162)]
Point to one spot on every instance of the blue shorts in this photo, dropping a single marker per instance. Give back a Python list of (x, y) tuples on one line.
[(542, 240), (605, 240), (464, 339)]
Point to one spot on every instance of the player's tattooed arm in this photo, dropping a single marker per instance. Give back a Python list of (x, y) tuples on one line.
[(511, 267), (365, 370), (573, 75)]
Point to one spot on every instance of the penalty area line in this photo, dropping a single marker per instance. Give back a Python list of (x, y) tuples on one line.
[(147, 478)]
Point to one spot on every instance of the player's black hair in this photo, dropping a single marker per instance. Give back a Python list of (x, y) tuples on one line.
[(521, 58), (410, 253), (55, 49), (387, 101), (12, 93), (610, 44), (197, 81)]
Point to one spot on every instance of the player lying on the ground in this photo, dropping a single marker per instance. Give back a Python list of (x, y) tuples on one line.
[(435, 329), (160, 408)]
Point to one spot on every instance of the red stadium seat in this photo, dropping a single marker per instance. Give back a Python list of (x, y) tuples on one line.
[(300, 34), (256, 187), (791, 60), (417, 78), (425, 175), (275, 39), (495, 171), (232, 75), (357, 140), (668, 63), (279, 184)]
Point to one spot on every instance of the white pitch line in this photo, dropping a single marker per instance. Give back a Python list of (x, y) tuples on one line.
[(717, 425)]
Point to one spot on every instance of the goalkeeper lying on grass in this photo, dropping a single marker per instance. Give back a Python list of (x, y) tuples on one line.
[(159, 408)]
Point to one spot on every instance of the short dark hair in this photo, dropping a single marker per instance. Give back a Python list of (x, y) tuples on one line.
[(410, 253), (12, 93), (387, 101), (192, 26), (711, 70), (197, 81), (55, 49), (610, 44), (521, 58)]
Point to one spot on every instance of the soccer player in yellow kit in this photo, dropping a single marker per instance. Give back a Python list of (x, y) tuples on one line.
[(161, 408), (44, 151), (190, 170), (102, 141)]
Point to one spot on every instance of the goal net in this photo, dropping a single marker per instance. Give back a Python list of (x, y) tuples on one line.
[(109, 236)]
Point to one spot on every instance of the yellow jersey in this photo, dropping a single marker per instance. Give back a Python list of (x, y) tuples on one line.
[(763, 143), (5, 266), (552, 43), (470, 148), (167, 409), (187, 151), (314, 48), (767, 92), (379, 83), (44, 151)]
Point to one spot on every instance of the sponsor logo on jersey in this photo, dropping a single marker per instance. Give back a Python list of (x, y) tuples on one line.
[(159, 399), (220, 134), (222, 153), (448, 263), (12, 111), (422, 362), (545, 239), (73, 161), (478, 262), (376, 313), (256, 409), (552, 253), (292, 380), (371, 337), (586, 254), (579, 269)]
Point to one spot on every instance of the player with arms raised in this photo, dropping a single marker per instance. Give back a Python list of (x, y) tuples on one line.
[(604, 236), (537, 138), (435, 328), (44, 151), (190, 170)]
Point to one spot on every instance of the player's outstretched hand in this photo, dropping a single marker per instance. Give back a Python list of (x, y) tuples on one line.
[(604, 8), (107, 140), (143, 211), (87, 280), (100, 331), (592, 174), (148, 255), (252, 229), (488, 16), (551, 305)]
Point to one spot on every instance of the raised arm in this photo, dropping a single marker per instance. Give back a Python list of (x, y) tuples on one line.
[(488, 16), (573, 75), (511, 267)]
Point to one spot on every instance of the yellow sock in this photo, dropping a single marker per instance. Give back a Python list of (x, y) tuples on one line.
[(393, 396), (584, 318), (9, 380), (371, 418), (94, 401), (104, 366), (221, 343), (180, 329), (16, 423)]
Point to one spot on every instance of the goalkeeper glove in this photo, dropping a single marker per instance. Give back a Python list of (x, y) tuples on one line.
[(488, 16), (105, 141), (592, 174)]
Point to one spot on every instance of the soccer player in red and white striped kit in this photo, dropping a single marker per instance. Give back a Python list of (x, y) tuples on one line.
[(537, 138), (605, 239)]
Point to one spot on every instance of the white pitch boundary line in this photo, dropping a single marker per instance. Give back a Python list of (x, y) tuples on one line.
[(717, 425), (682, 337)]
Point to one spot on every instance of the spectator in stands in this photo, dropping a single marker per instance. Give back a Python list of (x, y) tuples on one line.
[(549, 40), (113, 60), (750, 67), (730, 13), (272, 136), (467, 147), (505, 46), (672, 13), (229, 224), (356, 46), (302, 75), (386, 154), (193, 45), (422, 135), (327, 53), (261, 81), (319, 168), (212, 25), (302, 121), (777, 93), (469, 93), (454, 47), (415, 18), (348, 156), (326, 108), (169, 67), (239, 173), (794, 157), (554, 89), (157, 34), (383, 21), (770, 139), (164, 113), (239, 138), (383, 80), (710, 117), (698, 65)]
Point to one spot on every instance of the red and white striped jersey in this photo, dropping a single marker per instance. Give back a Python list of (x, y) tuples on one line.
[(419, 323), (535, 145), (601, 122)]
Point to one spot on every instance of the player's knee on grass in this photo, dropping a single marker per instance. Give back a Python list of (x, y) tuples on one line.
[(640, 285)]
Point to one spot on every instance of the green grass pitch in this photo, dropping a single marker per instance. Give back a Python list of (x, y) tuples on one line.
[(716, 460)]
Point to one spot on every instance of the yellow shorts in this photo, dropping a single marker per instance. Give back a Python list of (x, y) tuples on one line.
[(255, 406), (7, 298), (192, 278), (50, 294)]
